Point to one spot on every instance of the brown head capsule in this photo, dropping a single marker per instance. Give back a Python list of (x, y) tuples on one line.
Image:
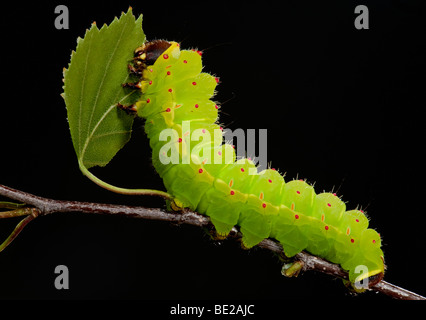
[(149, 52)]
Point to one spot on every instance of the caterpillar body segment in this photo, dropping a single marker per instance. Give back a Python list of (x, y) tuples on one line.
[(181, 119)]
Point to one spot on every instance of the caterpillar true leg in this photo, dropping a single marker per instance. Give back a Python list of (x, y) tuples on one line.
[(132, 85), (132, 109), (134, 71)]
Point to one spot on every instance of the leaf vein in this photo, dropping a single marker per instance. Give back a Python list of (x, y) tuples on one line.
[(102, 135), (110, 108), (104, 76), (90, 136), (82, 93)]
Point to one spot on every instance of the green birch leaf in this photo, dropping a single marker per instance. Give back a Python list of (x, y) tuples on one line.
[(92, 89)]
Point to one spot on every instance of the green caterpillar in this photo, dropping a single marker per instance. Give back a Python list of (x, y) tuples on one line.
[(206, 177)]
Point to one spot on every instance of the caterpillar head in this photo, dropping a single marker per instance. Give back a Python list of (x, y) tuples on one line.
[(149, 52)]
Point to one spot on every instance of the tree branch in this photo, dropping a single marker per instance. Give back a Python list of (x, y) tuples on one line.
[(44, 206)]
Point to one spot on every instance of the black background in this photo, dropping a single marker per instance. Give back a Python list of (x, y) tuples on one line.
[(343, 107)]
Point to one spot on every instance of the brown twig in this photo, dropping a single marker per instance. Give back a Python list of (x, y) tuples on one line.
[(43, 206)]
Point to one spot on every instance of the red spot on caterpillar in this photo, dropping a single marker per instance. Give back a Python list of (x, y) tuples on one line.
[(374, 241), (150, 82), (148, 100), (221, 129), (203, 131), (334, 194), (169, 73), (219, 153), (216, 106), (170, 90), (180, 140), (217, 79), (198, 51), (270, 181), (329, 204), (352, 240), (356, 220), (196, 106), (298, 192), (184, 61), (264, 205), (194, 83), (168, 110), (232, 192), (165, 56), (326, 227), (301, 180), (296, 216), (150, 70), (273, 169), (242, 169), (200, 171)]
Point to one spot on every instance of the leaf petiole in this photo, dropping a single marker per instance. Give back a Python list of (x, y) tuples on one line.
[(31, 213), (133, 192), (10, 205), (18, 212)]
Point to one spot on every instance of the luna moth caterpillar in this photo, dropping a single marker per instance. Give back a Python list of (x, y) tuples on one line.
[(206, 177)]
